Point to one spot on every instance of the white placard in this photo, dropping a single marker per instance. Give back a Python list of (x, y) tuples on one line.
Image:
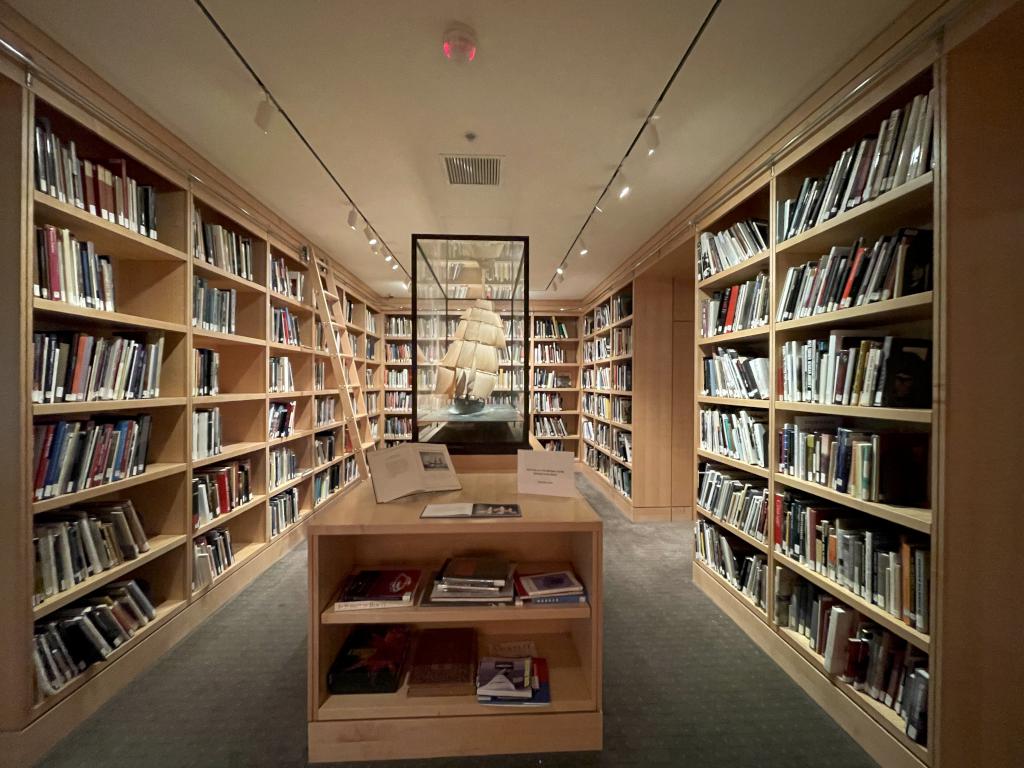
[(548, 473)]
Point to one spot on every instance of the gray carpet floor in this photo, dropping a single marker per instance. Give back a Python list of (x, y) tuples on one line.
[(683, 685)]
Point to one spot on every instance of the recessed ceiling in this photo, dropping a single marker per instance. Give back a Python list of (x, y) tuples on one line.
[(558, 90)]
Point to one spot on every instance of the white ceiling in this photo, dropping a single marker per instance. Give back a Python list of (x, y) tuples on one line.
[(558, 89)]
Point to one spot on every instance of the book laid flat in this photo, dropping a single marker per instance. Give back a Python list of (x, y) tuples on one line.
[(444, 663), (514, 682), (469, 509), (473, 581), (551, 584), (372, 660), (371, 588)]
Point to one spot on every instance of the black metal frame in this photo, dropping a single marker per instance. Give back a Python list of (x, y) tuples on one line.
[(524, 266)]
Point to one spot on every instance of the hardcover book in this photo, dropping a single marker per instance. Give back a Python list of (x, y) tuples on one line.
[(370, 588), (444, 663), (372, 660)]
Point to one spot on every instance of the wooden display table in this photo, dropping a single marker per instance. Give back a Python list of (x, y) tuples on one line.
[(358, 532)]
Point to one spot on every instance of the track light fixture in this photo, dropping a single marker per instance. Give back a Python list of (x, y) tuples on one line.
[(583, 248), (624, 188), (370, 237), (394, 266), (389, 257), (652, 139), (265, 112), (560, 270), (353, 219)]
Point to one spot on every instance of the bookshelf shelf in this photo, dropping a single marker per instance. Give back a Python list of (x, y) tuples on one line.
[(886, 212), (279, 299), (740, 402), (242, 553), (298, 434), (911, 517), (736, 273), (108, 237), (418, 614), (98, 316), (231, 451), (223, 278), (917, 306), (864, 607), (304, 474), (90, 406), (747, 335), (911, 415), (256, 502), (742, 599), (216, 338), (158, 545), (734, 463), (240, 397), (757, 544), (153, 471)]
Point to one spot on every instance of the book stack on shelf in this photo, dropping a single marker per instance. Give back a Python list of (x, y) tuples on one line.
[(839, 436)]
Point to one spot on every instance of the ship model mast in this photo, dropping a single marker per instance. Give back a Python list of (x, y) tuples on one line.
[(468, 373)]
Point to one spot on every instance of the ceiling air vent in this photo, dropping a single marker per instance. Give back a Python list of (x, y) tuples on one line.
[(481, 170)]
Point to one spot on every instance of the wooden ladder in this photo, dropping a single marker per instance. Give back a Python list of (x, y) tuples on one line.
[(350, 388)]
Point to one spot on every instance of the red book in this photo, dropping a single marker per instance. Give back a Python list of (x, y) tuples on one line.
[(730, 315), (844, 298), (778, 518), (222, 492), (97, 472), (41, 466), (372, 588)]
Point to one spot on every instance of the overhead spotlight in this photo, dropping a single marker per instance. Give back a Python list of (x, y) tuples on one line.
[(389, 257), (583, 248), (560, 270), (624, 188), (370, 237), (652, 139), (353, 219), (265, 113), (405, 284), (394, 266)]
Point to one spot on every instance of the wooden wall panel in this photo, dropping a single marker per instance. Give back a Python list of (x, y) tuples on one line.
[(980, 705)]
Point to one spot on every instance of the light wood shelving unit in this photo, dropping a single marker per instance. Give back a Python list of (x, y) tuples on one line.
[(564, 402), (361, 533)]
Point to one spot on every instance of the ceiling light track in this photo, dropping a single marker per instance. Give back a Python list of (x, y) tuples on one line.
[(372, 235), (647, 126)]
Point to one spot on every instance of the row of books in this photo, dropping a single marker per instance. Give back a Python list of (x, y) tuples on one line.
[(513, 352), (596, 378), (398, 352), (283, 509), (597, 349), (280, 419), (319, 374), (621, 306), (549, 379), (213, 309), (737, 308), (84, 541), (282, 376), (325, 410), (79, 367), (212, 554), (600, 318), (397, 378), (71, 456), (622, 376), (325, 448), (284, 327), (889, 467), (738, 435), (70, 641), (110, 194), (856, 275), (221, 247), (218, 490), (597, 432), (554, 328), (397, 426), (727, 373), (881, 564), (853, 368), (746, 572), (371, 349), (549, 426), (327, 482), (207, 433), (622, 410), (435, 328), (205, 372), (740, 502), (549, 353), (597, 405), (597, 461), (898, 153), (718, 251), (855, 651), (372, 400), (622, 446), (287, 282), (547, 401), (621, 479), (622, 340), (398, 401), (282, 466), (70, 270), (398, 326)]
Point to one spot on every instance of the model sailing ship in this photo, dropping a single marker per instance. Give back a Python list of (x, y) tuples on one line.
[(468, 373)]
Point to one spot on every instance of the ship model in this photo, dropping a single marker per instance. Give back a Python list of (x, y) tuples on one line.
[(468, 373)]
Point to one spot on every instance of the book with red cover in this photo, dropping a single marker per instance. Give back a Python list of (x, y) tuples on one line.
[(730, 315), (396, 586)]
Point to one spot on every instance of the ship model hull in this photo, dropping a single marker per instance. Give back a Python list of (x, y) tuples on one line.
[(468, 373)]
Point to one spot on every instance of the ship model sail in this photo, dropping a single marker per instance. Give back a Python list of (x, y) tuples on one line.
[(468, 373)]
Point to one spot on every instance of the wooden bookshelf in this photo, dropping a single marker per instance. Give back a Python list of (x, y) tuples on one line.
[(555, 337), (361, 533), (915, 203)]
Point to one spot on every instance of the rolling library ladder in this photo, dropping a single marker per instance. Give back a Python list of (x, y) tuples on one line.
[(353, 403)]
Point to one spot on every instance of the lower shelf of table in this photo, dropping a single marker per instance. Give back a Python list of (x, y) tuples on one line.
[(570, 692)]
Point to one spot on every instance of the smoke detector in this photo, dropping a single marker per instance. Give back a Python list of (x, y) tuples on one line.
[(459, 43)]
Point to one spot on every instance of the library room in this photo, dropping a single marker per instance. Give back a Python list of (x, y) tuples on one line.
[(465, 384)]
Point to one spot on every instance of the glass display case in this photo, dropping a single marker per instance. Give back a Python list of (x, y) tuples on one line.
[(470, 336)]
